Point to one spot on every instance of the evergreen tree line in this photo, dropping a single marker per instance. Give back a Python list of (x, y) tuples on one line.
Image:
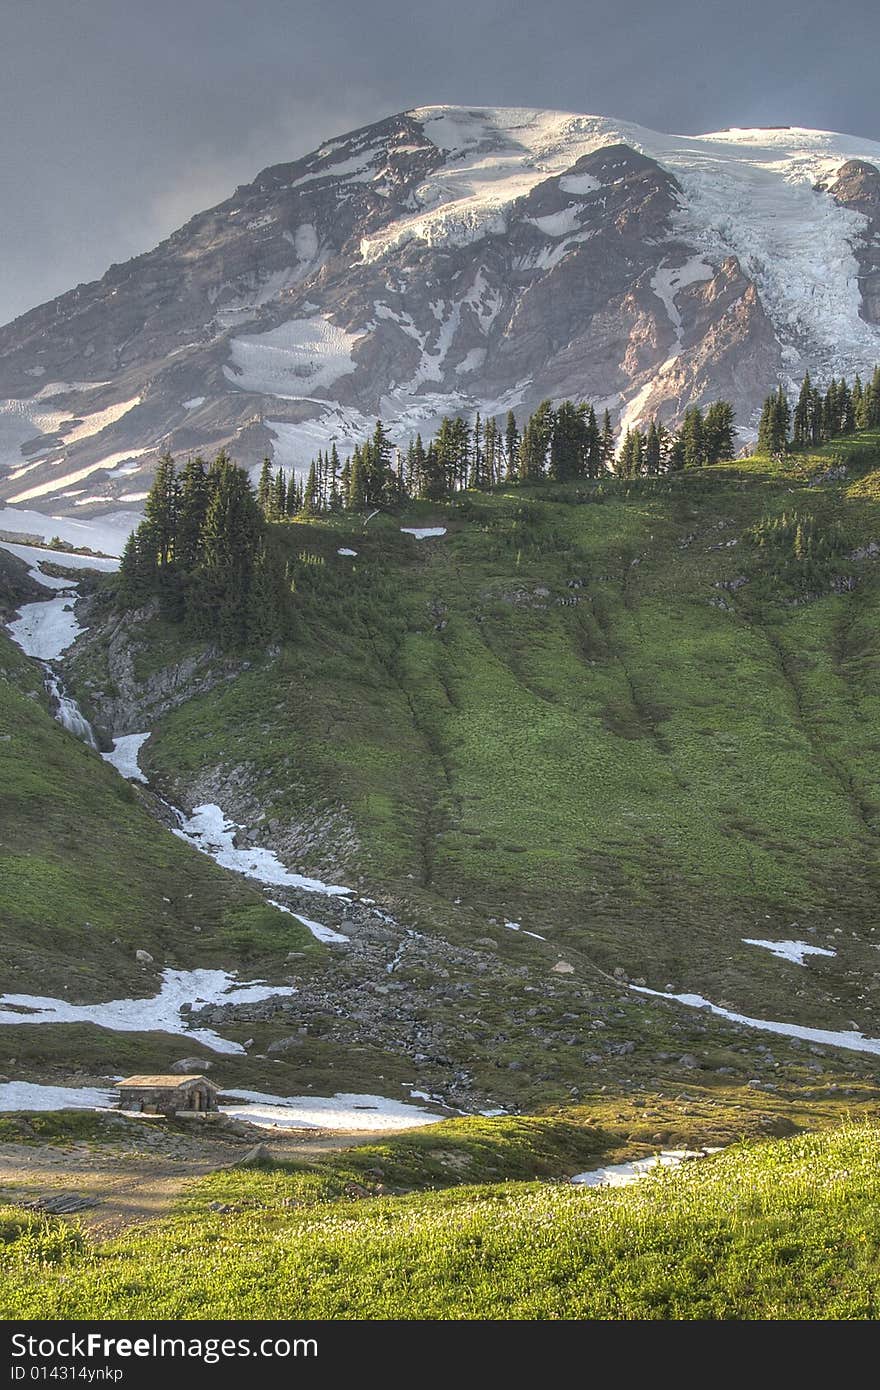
[(817, 417), (201, 548), (559, 444)]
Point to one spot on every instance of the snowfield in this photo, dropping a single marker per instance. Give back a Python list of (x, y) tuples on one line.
[(35, 555), (159, 1014), (107, 534), (45, 630), (293, 360), (28, 1095), (342, 1111), (749, 193)]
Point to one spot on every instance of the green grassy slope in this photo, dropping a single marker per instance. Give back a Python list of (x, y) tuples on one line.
[(783, 1230), (558, 714), (88, 876)]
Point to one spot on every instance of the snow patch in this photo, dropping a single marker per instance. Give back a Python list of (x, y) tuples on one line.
[(471, 362), (298, 357), (579, 183), (106, 465), (423, 533), (852, 1041), (105, 533), (45, 630), (342, 1111), (516, 926), (125, 756), (99, 420), (343, 550), (28, 1095), (194, 402), (318, 930), (558, 223), (209, 831), (624, 1174), (794, 951), (159, 1014)]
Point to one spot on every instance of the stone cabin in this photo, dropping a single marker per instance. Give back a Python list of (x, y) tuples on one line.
[(168, 1095)]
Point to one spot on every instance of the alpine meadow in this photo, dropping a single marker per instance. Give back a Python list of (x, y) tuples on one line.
[(440, 740)]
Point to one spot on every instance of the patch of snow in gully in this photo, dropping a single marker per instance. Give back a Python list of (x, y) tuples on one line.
[(27, 1095), (159, 1014), (318, 930), (208, 830), (125, 756), (793, 951), (423, 533), (342, 1111), (852, 1041), (45, 630)]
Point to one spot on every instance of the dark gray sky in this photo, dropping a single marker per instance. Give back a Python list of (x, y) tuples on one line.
[(121, 118)]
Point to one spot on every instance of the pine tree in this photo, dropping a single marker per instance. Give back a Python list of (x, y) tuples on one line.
[(475, 479), (718, 433), (652, 450), (310, 504), (357, 496), (233, 532), (873, 405), (193, 507), (511, 446), (278, 498), (802, 424), (160, 510), (264, 488), (535, 443), (858, 404), (138, 570), (606, 444), (692, 438)]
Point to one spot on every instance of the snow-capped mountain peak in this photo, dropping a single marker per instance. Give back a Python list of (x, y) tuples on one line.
[(445, 260)]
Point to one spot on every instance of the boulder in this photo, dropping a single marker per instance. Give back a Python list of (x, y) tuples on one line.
[(256, 1156)]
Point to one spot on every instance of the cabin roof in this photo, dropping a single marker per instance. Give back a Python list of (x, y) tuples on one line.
[(169, 1083)]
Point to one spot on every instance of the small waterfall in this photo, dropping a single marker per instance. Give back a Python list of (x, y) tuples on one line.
[(68, 712)]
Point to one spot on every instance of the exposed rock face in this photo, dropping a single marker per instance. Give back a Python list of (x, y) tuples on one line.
[(857, 187), (442, 261)]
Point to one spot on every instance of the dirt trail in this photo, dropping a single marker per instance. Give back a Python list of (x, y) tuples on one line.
[(132, 1185)]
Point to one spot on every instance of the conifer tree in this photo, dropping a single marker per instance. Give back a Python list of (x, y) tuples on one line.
[(160, 510), (718, 433), (310, 505), (193, 507), (692, 438), (802, 424), (511, 446), (652, 450), (535, 443), (264, 488), (606, 444)]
